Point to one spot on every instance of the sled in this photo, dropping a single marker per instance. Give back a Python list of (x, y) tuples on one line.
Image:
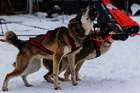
[(127, 24)]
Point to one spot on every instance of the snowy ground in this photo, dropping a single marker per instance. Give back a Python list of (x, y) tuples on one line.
[(117, 71)]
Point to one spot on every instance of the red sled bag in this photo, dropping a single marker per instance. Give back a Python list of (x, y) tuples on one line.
[(126, 23)]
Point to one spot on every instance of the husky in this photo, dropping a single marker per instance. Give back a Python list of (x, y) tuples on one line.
[(56, 44), (93, 46)]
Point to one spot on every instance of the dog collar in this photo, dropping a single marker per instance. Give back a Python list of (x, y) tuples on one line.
[(98, 42)]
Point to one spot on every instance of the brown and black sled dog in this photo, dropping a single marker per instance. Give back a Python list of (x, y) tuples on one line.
[(93, 46), (54, 45)]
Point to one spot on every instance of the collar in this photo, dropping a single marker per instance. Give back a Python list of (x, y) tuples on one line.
[(108, 39), (98, 42)]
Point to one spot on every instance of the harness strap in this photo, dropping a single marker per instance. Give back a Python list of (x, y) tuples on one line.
[(40, 46), (37, 42), (101, 41), (98, 52), (98, 42), (97, 46)]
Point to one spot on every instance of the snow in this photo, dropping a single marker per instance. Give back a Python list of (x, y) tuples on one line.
[(135, 8), (117, 71)]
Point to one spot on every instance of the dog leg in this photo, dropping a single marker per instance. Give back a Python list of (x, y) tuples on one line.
[(48, 77), (24, 78), (77, 69), (61, 79), (19, 69), (48, 64), (56, 63), (10, 76), (71, 61), (67, 74)]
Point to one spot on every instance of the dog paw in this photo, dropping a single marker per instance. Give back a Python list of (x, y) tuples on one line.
[(78, 79), (74, 83), (48, 79), (61, 79), (4, 89), (28, 85), (57, 88)]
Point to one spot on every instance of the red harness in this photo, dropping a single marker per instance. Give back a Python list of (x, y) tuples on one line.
[(99, 42), (102, 41), (37, 42)]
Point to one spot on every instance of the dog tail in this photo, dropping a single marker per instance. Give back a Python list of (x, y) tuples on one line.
[(18, 43), (11, 37)]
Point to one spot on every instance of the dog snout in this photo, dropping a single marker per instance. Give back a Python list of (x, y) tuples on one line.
[(122, 37)]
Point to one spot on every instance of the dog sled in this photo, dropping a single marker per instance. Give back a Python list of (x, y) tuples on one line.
[(110, 13)]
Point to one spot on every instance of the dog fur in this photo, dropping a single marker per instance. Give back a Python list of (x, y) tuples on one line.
[(28, 58), (87, 52)]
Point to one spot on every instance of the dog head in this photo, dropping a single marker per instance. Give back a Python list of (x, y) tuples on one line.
[(86, 18), (93, 12), (115, 30), (82, 24)]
